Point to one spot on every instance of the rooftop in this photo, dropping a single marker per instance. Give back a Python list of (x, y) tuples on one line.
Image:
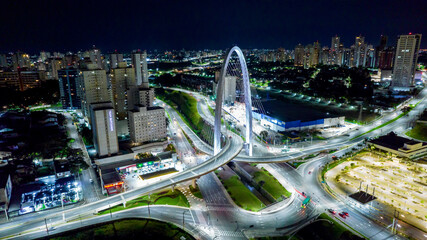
[(392, 141)]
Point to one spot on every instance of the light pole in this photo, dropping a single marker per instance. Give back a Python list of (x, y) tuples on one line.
[(109, 206), (47, 229), (183, 226), (62, 205)]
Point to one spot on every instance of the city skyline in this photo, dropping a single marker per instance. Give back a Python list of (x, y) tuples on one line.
[(210, 25)]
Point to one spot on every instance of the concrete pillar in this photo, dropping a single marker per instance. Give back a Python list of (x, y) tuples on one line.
[(124, 201), (173, 188), (193, 183)]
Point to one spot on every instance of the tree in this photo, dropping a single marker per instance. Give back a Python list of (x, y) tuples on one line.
[(263, 134)]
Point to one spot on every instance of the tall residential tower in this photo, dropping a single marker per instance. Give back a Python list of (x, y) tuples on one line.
[(405, 61)]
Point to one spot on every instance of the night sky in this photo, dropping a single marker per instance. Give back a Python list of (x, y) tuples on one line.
[(162, 24)]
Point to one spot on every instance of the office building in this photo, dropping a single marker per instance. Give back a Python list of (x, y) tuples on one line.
[(68, 88), (403, 147), (147, 124), (104, 128), (93, 87), (405, 61)]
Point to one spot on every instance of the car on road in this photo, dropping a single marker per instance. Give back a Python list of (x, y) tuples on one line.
[(345, 213), (332, 211), (341, 215), (309, 172), (91, 180)]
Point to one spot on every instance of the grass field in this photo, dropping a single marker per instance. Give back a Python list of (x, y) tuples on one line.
[(196, 191), (184, 104), (127, 229), (161, 198), (241, 195), (418, 132), (321, 230), (271, 184)]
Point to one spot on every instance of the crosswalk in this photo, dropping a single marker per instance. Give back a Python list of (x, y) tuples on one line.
[(221, 208), (222, 234), (91, 199)]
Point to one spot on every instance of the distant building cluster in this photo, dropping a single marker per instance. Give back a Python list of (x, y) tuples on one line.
[(106, 89), (397, 62)]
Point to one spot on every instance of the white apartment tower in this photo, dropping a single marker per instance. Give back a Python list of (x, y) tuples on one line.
[(104, 129), (115, 59), (139, 62), (405, 61)]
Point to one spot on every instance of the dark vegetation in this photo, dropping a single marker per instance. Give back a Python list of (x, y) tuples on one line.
[(47, 93), (126, 229)]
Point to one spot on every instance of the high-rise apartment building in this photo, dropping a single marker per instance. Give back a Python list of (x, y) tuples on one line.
[(230, 89), (139, 62), (335, 43), (386, 58), (335, 55), (104, 128), (122, 79), (115, 59), (93, 87), (299, 55), (325, 56), (68, 88), (147, 124), (405, 61), (55, 64), (314, 54), (20, 80), (96, 57), (20, 60), (379, 49), (360, 49), (347, 58), (370, 56), (3, 61)]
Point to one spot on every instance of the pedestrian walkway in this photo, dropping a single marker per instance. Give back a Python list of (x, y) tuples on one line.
[(195, 202)]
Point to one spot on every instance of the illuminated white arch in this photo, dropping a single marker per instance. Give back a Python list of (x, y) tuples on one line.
[(219, 98)]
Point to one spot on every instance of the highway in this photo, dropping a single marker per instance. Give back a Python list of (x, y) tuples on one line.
[(300, 179)]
